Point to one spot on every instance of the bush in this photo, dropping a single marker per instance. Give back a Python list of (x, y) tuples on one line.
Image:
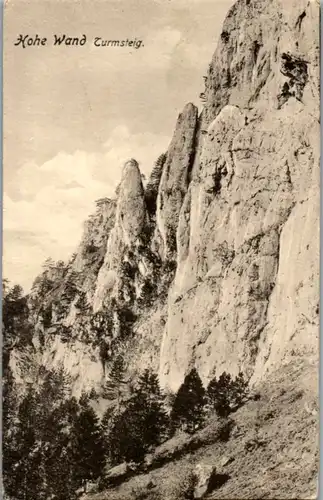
[(148, 293), (126, 319), (184, 487)]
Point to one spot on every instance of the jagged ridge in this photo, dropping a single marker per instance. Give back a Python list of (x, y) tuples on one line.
[(208, 264)]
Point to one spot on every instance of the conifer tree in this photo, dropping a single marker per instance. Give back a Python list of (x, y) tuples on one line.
[(188, 408), (149, 395), (219, 394), (142, 425), (48, 264), (15, 322), (87, 445), (126, 438), (106, 425), (226, 394), (22, 463), (60, 464), (240, 390), (54, 418), (116, 386)]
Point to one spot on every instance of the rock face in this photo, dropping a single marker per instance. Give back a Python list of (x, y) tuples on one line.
[(246, 288), (216, 262), (175, 179), (130, 222), (59, 305), (92, 249)]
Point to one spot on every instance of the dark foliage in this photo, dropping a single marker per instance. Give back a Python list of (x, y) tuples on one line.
[(15, 317), (188, 408), (47, 316), (128, 270), (148, 293), (226, 394), (126, 319), (142, 425), (82, 303), (116, 386), (37, 461), (87, 445), (153, 185)]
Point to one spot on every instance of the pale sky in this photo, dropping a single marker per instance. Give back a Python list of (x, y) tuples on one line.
[(73, 115)]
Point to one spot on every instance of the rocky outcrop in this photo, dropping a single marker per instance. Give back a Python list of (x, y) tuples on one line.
[(92, 249), (216, 260), (117, 474), (203, 474), (251, 59), (244, 268), (59, 306), (174, 181), (131, 218)]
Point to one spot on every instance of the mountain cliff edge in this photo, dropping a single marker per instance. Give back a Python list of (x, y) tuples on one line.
[(214, 264)]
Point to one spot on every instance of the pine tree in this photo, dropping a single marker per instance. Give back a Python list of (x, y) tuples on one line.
[(37, 460), (22, 462), (106, 425), (142, 425), (16, 327), (219, 394), (226, 394), (153, 184), (87, 445), (9, 451), (116, 387), (240, 391), (48, 264), (125, 439), (188, 409), (55, 415), (149, 395)]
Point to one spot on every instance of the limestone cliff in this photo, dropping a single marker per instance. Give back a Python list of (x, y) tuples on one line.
[(215, 263), (246, 288), (175, 179), (59, 305), (130, 222)]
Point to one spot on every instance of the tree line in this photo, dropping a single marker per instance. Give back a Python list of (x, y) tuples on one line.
[(54, 444)]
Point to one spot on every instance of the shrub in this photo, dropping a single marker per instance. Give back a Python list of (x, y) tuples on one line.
[(147, 294), (185, 486), (126, 318)]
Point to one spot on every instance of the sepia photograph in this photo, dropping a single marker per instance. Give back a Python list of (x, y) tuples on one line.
[(161, 239)]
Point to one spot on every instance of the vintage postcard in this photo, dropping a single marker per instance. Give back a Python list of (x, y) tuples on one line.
[(160, 303)]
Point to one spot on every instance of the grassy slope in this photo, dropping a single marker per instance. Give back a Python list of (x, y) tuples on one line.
[(274, 447)]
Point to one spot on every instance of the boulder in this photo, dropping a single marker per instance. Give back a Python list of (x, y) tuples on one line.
[(203, 476), (91, 487), (118, 473)]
